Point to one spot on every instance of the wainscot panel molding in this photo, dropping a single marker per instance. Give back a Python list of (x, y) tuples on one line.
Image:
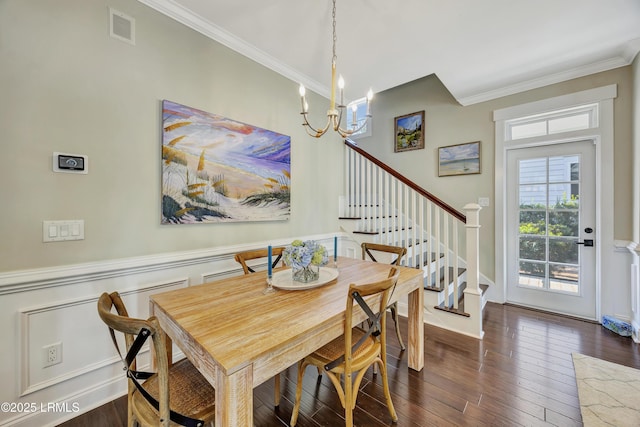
[(46, 306), (36, 324), (634, 250), (30, 280)]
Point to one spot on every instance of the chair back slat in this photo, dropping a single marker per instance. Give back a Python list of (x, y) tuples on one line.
[(371, 249), (243, 257)]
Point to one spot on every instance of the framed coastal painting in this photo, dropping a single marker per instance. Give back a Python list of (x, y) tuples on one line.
[(408, 132), (215, 169), (460, 159)]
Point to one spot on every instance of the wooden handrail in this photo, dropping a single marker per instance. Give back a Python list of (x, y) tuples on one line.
[(461, 217)]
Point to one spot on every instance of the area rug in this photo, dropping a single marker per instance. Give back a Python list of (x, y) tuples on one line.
[(609, 393)]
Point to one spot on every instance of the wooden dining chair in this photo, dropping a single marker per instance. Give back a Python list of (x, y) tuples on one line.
[(243, 257), (396, 253), (356, 350), (176, 395)]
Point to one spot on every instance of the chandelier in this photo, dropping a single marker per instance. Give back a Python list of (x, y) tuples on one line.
[(334, 115)]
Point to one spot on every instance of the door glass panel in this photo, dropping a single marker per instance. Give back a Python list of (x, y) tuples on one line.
[(563, 278), (564, 196), (533, 222), (533, 171), (533, 196), (533, 248), (560, 169), (564, 223), (563, 250), (532, 274), (549, 195)]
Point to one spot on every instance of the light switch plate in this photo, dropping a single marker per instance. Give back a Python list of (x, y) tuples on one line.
[(58, 231)]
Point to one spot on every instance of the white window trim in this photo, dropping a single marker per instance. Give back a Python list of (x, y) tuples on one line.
[(602, 134), (368, 130), (589, 109)]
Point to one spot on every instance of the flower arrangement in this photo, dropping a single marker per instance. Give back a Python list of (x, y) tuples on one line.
[(305, 258)]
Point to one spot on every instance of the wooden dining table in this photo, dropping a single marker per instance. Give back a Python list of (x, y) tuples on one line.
[(238, 337)]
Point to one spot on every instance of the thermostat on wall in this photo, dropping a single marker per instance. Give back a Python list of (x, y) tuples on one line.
[(70, 163)]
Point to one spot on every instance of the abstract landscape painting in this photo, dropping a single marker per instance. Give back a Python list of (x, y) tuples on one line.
[(215, 169)]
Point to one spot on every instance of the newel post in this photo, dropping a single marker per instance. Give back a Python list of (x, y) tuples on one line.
[(472, 211), (472, 293)]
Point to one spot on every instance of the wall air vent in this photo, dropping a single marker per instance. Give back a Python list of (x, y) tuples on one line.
[(122, 27)]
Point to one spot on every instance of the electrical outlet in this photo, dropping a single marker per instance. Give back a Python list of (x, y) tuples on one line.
[(52, 354)]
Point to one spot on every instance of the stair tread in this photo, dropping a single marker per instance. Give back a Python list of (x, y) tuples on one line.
[(380, 232), (459, 311), (366, 232)]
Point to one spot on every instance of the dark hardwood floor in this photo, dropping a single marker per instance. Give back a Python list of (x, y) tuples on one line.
[(520, 374)]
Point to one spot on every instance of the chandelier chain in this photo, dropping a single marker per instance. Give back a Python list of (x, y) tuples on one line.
[(334, 115), (334, 58)]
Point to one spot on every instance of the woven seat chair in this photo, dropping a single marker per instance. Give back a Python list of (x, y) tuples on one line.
[(371, 250), (176, 395), (356, 350), (242, 258)]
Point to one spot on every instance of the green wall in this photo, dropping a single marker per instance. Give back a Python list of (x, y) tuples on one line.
[(67, 86)]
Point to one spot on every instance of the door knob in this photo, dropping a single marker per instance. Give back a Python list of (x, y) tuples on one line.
[(587, 242)]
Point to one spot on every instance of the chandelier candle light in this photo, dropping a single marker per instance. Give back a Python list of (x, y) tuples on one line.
[(334, 115)]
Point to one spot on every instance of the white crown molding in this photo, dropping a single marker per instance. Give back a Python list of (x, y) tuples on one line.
[(621, 56), (631, 49), (222, 36), (585, 70)]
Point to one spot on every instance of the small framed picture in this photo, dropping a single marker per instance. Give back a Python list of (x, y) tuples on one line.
[(460, 159), (409, 132)]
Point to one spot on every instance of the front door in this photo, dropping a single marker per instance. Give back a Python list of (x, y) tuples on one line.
[(551, 241)]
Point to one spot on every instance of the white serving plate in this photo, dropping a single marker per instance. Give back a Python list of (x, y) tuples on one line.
[(283, 280)]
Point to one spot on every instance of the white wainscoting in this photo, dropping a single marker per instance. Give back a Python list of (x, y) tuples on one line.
[(57, 322), (44, 306)]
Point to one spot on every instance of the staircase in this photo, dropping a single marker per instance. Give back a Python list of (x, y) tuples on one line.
[(380, 205)]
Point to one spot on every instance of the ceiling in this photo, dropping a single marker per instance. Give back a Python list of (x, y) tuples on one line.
[(480, 50)]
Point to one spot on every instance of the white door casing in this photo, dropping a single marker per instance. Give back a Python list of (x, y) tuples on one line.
[(602, 133)]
